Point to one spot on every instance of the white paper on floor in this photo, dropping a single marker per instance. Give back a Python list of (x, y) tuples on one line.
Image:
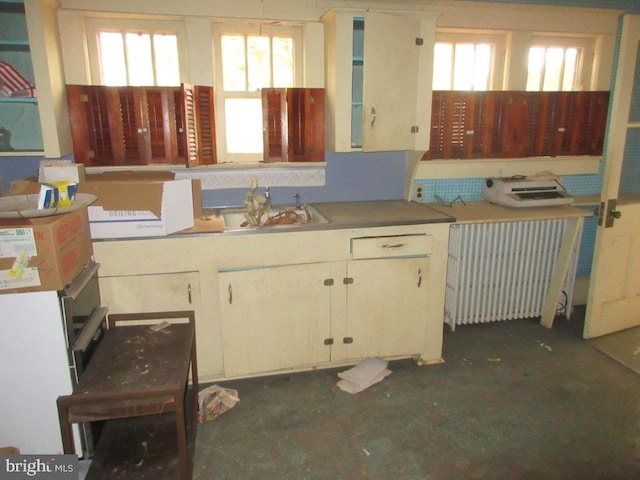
[(363, 375)]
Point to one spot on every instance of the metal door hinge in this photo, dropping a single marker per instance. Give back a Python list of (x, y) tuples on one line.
[(328, 341), (607, 213), (419, 41), (415, 129), (328, 282)]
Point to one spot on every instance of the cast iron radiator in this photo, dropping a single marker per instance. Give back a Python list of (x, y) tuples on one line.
[(501, 271)]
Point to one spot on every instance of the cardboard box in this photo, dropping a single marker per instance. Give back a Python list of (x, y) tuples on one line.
[(134, 204), (43, 253), (138, 204)]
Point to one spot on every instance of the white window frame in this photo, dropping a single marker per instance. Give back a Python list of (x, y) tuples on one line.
[(496, 38), (247, 28), (95, 25), (586, 46)]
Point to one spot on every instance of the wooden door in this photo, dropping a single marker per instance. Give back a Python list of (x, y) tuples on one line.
[(293, 124), (205, 125), (274, 125), (305, 123), (93, 116), (614, 291)]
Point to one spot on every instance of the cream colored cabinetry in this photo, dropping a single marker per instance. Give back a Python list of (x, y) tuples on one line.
[(156, 293), (274, 318), (288, 317), (386, 307), (278, 302), (378, 98)]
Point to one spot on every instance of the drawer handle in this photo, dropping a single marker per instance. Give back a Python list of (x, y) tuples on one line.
[(230, 294), (419, 277), (393, 245)]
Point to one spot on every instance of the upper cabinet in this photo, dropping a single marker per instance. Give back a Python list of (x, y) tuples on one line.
[(114, 126), (517, 124), (378, 67)]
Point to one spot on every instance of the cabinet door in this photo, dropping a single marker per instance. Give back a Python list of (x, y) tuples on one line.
[(293, 124), (391, 57), (386, 307), (113, 126), (460, 124), (164, 292), (93, 116), (275, 318), (205, 125)]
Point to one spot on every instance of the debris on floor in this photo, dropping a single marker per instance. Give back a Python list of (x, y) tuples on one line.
[(363, 375), (213, 401), (637, 351)]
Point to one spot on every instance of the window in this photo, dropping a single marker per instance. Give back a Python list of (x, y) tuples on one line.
[(135, 53), (250, 58), (555, 64), (467, 61)]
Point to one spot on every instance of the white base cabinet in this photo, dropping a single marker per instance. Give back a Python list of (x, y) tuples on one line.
[(282, 302), (274, 318)]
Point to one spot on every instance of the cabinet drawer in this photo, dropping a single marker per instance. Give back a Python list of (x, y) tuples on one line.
[(393, 246)]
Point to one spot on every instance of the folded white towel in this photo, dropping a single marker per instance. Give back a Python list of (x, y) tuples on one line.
[(363, 375)]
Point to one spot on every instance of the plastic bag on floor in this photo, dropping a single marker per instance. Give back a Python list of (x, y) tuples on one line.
[(213, 401)]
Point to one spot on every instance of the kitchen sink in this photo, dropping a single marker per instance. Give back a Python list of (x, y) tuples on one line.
[(279, 216)]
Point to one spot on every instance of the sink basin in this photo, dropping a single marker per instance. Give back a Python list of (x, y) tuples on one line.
[(280, 216)]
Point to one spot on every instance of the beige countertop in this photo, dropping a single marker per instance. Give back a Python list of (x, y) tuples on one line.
[(484, 212)]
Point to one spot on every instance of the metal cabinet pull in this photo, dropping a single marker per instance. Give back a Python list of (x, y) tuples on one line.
[(189, 293), (393, 245), (230, 294), (373, 117), (419, 277)]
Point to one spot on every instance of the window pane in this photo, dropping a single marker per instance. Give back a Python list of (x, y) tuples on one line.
[(114, 70), (139, 59), (234, 72), (553, 69), (570, 69), (535, 68), (482, 67), (442, 58), (165, 49), (258, 62), (243, 118), (463, 68), (282, 62)]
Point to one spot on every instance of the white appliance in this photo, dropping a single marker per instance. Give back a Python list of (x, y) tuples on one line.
[(34, 371), (525, 192), (46, 340)]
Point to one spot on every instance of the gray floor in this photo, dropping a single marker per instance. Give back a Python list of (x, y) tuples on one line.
[(513, 401)]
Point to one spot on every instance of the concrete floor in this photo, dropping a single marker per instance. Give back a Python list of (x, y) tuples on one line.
[(512, 401)]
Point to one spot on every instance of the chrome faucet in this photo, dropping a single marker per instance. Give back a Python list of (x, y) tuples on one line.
[(296, 196)]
